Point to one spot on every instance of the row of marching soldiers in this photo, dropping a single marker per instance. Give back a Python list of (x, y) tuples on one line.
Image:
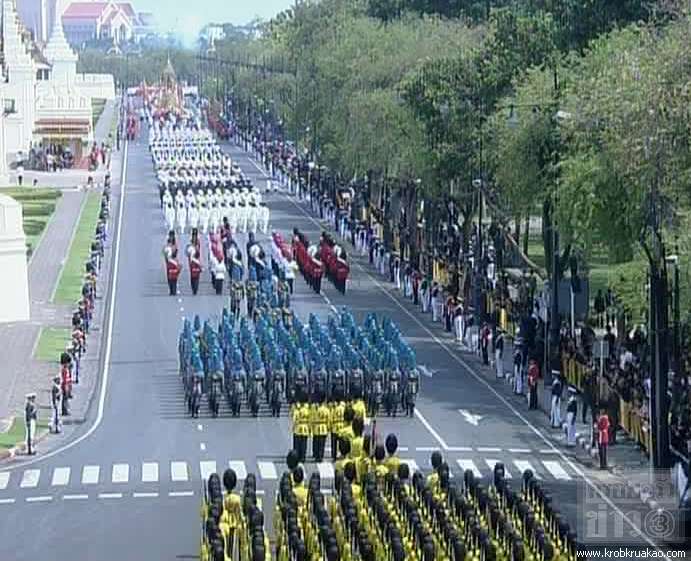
[(320, 419), (233, 523), (377, 512)]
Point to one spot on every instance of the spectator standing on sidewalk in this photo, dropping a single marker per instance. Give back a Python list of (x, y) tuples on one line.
[(555, 411), (30, 418), (499, 354), (533, 377), (603, 426), (599, 306), (588, 393), (517, 370), (484, 343), (55, 392), (436, 304), (66, 388), (571, 414)]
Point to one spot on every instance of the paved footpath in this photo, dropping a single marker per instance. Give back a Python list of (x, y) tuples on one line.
[(23, 373)]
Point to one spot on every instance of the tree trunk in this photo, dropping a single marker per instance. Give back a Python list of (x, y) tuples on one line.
[(547, 235), (517, 235), (526, 235)]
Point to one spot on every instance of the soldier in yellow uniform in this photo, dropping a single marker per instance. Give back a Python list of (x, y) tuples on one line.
[(232, 508), (358, 426), (344, 449), (320, 430), (301, 429), (364, 463), (380, 469), (436, 461), (359, 409), (392, 461), (347, 428), (299, 488), (351, 475), (336, 409)]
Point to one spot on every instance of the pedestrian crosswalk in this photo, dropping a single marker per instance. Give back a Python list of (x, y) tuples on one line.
[(117, 476)]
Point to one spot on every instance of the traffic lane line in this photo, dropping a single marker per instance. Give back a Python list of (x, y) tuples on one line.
[(537, 432)]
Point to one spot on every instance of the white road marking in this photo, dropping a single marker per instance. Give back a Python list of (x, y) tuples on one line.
[(150, 472), (121, 473), (30, 478), (431, 430), (181, 494), (206, 468), (556, 470), (267, 470), (239, 469), (469, 464), (41, 499), (75, 497), (523, 465), (471, 418), (326, 470), (427, 449), (90, 475), (549, 451), (200, 427), (6, 501), (4, 479), (459, 449), (412, 465), (202, 447), (110, 495), (402, 449), (145, 495), (178, 471), (484, 450), (491, 463), (61, 476), (520, 450)]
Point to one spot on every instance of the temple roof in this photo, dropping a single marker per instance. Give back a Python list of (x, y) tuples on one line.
[(57, 49), (85, 10)]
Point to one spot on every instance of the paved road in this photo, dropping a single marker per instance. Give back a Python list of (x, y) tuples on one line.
[(141, 465)]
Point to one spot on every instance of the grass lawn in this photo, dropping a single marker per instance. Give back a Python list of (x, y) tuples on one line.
[(52, 342), (70, 282), (17, 433), (38, 206), (97, 107)]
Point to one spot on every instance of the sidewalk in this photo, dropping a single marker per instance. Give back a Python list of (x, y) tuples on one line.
[(23, 373)]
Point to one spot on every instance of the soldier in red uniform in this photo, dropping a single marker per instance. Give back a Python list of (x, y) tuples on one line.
[(65, 387), (173, 272), (195, 262)]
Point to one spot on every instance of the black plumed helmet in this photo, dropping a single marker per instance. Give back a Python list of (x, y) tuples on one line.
[(230, 480), (391, 443)]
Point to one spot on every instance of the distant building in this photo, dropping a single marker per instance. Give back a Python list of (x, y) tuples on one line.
[(212, 33), (45, 101)]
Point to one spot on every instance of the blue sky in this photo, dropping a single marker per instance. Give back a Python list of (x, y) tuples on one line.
[(189, 17)]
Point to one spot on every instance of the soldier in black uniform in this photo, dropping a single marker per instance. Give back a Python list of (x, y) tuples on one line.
[(55, 394), (30, 419)]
